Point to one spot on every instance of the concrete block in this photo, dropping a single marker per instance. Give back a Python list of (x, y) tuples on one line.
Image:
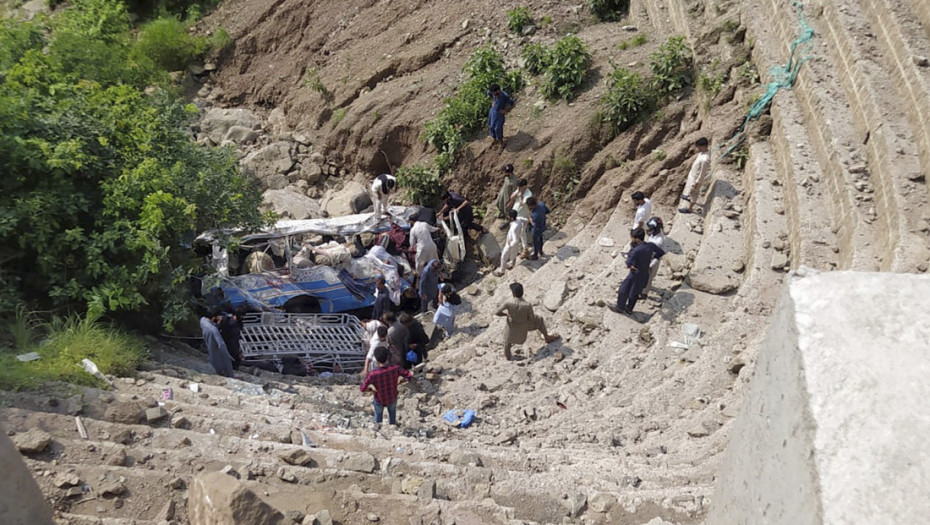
[(834, 430)]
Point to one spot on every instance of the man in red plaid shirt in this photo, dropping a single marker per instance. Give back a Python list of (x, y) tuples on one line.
[(383, 381)]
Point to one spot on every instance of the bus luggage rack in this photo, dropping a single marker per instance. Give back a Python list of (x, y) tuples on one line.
[(324, 341)]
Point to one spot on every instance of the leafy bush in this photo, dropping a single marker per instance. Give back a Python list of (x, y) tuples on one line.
[(167, 42), (609, 10), (103, 181), (627, 98), (219, 40), (422, 184), (536, 58), (568, 64), (466, 111), (518, 18), (65, 343), (671, 65)]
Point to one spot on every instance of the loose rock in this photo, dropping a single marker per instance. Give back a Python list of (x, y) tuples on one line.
[(33, 441)]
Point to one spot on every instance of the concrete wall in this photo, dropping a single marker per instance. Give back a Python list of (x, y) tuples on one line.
[(21, 501), (838, 420)]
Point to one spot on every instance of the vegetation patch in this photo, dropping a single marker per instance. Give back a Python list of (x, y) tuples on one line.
[(671, 66), (62, 344), (422, 184), (567, 67), (609, 10), (466, 111), (519, 18), (563, 67), (627, 98)]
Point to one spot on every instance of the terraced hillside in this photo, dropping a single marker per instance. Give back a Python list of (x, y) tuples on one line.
[(611, 424)]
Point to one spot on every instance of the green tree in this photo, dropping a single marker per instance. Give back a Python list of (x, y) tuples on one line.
[(101, 182)]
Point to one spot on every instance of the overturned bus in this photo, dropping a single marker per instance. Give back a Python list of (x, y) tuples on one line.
[(310, 280)]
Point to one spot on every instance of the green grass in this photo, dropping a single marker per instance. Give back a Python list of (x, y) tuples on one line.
[(636, 41), (62, 344), (312, 81), (338, 115)]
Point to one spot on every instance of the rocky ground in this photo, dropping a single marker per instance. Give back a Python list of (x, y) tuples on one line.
[(621, 421)]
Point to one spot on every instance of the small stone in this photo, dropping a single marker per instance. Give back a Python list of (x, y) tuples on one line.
[(920, 61), (779, 260), (558, 357), (67, 480), (922, 267), (176, 483), (180, 422), (297, 457), (230, 471), (601, 502), (738, 266), (360, 462), (372, 517), (735, 365), (780, 210), (167, 512), (114, 488), (74, 492), (427, 491), (294, 515), (285, 474), (323, 518), (154, 415), (33, 441)]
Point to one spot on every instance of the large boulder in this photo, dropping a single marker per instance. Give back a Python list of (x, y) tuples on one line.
[(290, 204), (273, 159), (218, 499), (340, 202), (217, 122)]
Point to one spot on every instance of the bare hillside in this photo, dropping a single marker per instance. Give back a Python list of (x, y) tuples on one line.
[(625, 418)]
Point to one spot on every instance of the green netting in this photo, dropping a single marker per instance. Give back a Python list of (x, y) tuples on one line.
[(783, 77)]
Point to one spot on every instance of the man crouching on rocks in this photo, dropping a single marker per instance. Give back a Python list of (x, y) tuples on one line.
[(521, 319)]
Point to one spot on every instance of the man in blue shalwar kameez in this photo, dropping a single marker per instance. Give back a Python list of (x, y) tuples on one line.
[(500, 106), (637, 261), (216, 348)]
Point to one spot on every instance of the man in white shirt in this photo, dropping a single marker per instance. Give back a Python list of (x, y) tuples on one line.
[(643, 210), (514, 238), (518, 203), (381, 191), (697, 176), (421, 240)]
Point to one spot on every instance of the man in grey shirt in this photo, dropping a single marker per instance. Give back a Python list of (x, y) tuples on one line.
[(216, 347)]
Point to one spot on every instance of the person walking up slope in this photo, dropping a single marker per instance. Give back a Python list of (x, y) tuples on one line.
[(515, 239), (697, 176)]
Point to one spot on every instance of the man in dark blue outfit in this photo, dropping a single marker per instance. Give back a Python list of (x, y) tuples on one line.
[(637, 261), (501, 104)]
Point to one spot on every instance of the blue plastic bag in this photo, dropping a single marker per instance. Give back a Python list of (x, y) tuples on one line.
[(462, 421)]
